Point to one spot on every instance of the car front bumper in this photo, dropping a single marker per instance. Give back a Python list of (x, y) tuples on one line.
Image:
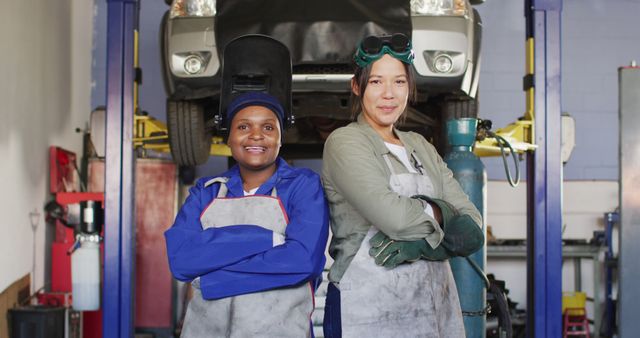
[(457, 37)]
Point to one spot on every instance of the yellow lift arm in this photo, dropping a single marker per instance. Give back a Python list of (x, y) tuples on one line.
[(150, 133), (519, 134)]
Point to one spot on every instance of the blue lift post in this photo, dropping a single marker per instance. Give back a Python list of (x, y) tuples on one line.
[(544, 171), (119, 171)]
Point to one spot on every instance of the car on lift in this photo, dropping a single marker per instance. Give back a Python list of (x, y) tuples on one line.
[(321, 36)]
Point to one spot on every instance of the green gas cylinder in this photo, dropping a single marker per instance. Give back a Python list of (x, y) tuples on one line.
[(470, 172)]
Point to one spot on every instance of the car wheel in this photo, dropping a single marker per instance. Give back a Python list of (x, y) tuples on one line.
[(187, 174), (189, 140), (438, 111), (455, 108), (460, 108)]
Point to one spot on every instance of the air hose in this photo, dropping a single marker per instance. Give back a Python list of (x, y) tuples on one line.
[(502, 143), (484, 127), (504, 317)]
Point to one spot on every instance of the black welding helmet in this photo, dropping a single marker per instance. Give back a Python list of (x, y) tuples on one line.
[(255, 63)]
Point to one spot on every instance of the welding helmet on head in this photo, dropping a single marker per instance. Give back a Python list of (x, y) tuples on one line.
[(255, 63)]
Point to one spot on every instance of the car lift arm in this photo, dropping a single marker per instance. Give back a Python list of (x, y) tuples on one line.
[(519, 134)]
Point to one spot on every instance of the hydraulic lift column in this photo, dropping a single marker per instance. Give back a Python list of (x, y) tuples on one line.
[(122, 21), (544, 171)]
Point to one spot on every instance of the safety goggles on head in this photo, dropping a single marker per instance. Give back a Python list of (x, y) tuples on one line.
[(374, 47)]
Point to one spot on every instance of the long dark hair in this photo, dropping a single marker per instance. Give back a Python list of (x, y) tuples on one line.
[(361, 78)]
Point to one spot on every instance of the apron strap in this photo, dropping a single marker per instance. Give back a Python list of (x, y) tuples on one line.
[(224, 190), (418, 164), (386, 159), (223, 187)]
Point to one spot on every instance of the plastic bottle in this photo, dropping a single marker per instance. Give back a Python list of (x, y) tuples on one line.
[(85, 273)]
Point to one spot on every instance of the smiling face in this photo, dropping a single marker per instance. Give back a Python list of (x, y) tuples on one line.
[(386, 93), (254, 139)]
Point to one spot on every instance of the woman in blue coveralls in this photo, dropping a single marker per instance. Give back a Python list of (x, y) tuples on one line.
[(397, 213), (251, 240)]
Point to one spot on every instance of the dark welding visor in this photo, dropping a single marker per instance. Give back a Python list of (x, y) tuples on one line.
[(255, 63)]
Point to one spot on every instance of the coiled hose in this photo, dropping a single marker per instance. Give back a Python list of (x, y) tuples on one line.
[(502, 142)]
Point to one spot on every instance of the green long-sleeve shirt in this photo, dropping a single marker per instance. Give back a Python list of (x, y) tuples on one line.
[(356, 181)]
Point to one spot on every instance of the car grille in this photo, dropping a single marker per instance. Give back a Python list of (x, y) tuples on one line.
[(323, 69)]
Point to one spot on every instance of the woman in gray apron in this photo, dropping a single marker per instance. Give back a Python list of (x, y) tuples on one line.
[(394, 205), (251, 241)]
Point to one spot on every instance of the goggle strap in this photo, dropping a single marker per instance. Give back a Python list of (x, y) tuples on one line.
[(363, 58)]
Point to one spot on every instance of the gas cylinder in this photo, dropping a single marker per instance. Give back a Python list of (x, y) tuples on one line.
[(470, 172)]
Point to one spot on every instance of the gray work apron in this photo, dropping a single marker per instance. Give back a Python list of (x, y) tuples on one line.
[(283, 312), (412, 300)]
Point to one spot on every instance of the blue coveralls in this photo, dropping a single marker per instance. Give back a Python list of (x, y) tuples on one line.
[(241, 259)]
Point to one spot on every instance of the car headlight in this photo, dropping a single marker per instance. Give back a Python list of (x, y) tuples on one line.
[(184, 8), (440, 7), (193, 64), (443, 63), (190, 64)]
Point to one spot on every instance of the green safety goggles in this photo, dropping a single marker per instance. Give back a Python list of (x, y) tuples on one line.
[(374, 47)]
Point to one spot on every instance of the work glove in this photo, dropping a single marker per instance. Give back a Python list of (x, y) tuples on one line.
[(391, 253), (462, 235)]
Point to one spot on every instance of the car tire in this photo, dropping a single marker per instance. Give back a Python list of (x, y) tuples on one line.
[(444, 109), (189, 140), (187, 174), (461, 108)]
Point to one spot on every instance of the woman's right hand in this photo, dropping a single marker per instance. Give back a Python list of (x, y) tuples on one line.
[(391, 253)]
